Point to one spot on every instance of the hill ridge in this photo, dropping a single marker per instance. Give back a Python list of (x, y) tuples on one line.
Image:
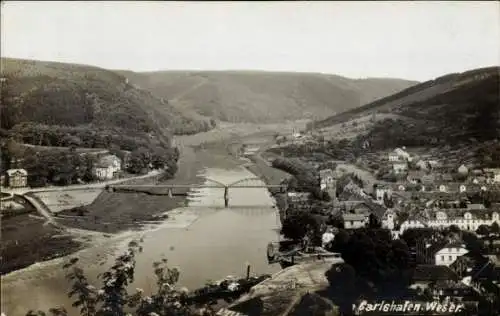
[(57, 93), (454, 109), (262, 96)]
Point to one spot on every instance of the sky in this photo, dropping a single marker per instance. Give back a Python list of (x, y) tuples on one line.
[(410, 40)]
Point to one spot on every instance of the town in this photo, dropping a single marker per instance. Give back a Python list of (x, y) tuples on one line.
[(443, 215)]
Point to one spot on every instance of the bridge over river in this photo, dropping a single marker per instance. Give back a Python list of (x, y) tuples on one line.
[(246, 183)]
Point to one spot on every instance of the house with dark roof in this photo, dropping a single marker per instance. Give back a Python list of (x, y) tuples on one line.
[(454, 290), (426, 274), (415, 177)]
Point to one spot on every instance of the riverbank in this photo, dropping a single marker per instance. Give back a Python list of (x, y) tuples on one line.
[(111, 213)]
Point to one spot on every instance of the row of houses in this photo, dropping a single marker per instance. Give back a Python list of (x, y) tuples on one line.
[(468, 219), (400, 159), (106, 167)]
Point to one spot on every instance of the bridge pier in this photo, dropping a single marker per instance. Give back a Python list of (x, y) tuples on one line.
[(226, 197), (170, 192)]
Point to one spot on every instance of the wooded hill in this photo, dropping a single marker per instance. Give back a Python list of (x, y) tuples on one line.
[(263, 97), (77, 96), (452, 109)]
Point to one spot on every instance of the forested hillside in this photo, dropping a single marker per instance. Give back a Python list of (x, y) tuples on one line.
[(452, 109), (74, 106), (258, 97), (77, 96)]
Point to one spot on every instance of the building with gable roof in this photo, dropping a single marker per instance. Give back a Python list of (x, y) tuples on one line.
[(447, 254), (17, 178), (107, 167)]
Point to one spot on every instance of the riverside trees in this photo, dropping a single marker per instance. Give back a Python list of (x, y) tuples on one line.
[(112, 298)]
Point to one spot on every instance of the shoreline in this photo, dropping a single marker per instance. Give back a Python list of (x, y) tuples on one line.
[(27, 241), (114, 214)]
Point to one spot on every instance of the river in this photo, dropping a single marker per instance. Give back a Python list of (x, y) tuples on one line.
[(205, 240)]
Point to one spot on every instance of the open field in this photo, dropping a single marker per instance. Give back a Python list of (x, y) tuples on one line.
[(226, 131), (26, 240), (61, 200)]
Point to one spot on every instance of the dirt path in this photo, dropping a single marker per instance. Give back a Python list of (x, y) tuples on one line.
[(187, 91)]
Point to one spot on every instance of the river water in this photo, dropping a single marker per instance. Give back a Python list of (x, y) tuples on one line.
[(205, 240)]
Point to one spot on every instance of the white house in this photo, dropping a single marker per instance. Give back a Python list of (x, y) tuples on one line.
[(402, 153), (355, 220), (393, 156), (327, 179), (400, 167), (380, 191), (107, 167), (388, 220), (399, 154), (449, 253), (493, 174), (17, 178), (296, 197)]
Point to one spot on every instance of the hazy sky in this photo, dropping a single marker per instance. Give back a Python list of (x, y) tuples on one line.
[(410, 40)]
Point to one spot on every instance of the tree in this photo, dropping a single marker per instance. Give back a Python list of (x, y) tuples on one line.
[(70, 140), (472, 243), (376, 258), (342, 285), (454, 229), (298, 224), (139, 160), (495, 228), (388, 201), (373, 221), (483, 230)]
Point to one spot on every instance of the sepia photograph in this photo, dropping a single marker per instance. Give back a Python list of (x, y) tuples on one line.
[(250, 158)]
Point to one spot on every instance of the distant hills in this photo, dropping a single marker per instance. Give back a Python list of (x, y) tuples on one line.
[(451, 109), (263, 97), (70, 95)]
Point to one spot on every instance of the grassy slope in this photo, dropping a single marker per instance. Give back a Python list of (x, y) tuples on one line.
[(68, 94), (253, 96), (454, 105)]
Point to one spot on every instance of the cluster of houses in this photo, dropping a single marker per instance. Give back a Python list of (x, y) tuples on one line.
[(106, 167), (427, 171), (444, 266)]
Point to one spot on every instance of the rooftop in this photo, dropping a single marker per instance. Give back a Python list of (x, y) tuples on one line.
[(430, 272), (354, 217), (12, 172)]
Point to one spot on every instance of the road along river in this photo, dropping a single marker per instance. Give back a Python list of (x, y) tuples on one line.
[(205, 240)]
